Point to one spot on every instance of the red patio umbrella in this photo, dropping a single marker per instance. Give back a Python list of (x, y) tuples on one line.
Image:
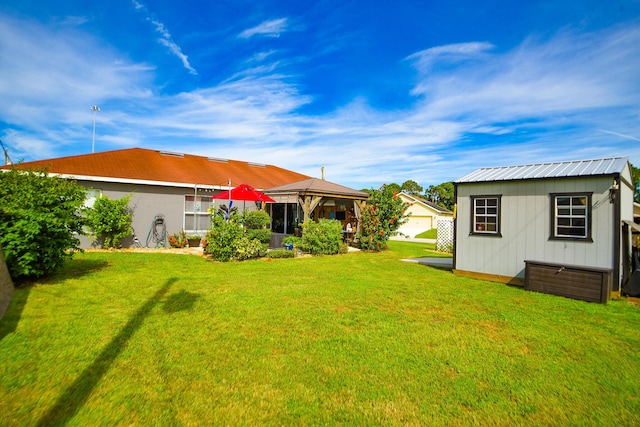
[(245, 193)]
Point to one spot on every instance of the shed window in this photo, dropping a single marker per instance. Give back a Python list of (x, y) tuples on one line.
[(571, 216), (485, 215)]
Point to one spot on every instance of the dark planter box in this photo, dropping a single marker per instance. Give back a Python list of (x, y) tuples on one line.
[(572, 281)]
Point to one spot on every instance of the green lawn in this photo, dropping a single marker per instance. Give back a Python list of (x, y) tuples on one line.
[(429, 234), (124, 338)]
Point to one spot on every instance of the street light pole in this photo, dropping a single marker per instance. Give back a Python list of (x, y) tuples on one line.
[(95, 109)]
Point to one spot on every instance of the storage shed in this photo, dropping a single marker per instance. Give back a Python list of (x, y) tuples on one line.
[(556, 217)]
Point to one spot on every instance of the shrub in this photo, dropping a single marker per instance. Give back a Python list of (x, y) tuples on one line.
[(40, 218), (255, 220), (294, 241), (242, 237), (178, 240), (263, 236), (245, 248), (255, 224), (281, 253), (381, 218), (109, 221), (323, 237), (222, 236)]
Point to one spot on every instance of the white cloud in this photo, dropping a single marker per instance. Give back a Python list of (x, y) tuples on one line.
[(271, 28), (165, 37), (567, 97)]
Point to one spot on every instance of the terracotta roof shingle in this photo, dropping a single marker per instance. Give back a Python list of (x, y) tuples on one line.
[(139, 164)]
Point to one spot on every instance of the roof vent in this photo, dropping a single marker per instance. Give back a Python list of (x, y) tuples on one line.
[(258, 165), (217, 159), (171, 153)]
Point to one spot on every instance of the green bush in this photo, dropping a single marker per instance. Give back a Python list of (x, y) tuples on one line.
[(281, 253), (222, 236), (255, 224), (292, 240), (109, 221), (263, 235), (255, 220), (383, 214), (40, 219), (242, 237), (245, 248), (323, 237)]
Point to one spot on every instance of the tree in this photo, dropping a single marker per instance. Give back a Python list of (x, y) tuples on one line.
[(40, 219), (381, 217), (412, 187), (109, 220), (441, 194)]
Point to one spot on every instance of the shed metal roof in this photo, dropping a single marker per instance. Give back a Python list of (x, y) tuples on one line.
[(578, 168)]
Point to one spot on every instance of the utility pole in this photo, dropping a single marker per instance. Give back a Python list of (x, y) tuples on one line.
[(95, 109)]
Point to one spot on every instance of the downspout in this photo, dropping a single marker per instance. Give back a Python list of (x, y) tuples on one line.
[(455, 223), (195, 211), (617, 220)]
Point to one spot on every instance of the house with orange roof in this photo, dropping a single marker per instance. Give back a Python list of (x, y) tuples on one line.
[(173, 187)]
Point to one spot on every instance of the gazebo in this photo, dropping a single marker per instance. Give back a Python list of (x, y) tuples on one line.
[(312, 198)]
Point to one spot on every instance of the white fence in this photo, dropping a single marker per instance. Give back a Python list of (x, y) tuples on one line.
[(444, 240)]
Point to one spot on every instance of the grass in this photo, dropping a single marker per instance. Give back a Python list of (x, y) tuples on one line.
[(124, 338), (429, 234)]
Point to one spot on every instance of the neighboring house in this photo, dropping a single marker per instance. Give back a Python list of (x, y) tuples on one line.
[(423, 215), (572, 216), (176, 186)]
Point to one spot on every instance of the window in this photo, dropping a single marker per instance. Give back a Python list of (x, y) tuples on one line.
[(196, 214), (485, 215), (571, 216), (92, 195)]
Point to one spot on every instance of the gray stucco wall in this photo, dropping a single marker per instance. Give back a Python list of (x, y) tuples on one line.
[(147, 201)]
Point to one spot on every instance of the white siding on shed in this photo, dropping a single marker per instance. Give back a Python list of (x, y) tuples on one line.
[(525, 227)]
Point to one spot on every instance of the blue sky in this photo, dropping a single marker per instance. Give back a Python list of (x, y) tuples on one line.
[(374, 91)]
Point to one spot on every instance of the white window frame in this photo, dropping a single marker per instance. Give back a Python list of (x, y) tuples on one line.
[(200, 215)]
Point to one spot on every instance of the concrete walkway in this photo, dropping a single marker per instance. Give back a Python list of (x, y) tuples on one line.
[(445, 263)]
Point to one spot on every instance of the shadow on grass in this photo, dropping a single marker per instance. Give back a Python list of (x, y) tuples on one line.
[(9, 322), (180, 301), (74, 268), (77, 394)]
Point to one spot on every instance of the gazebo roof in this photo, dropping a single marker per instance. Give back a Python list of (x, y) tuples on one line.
[(315, 186)]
